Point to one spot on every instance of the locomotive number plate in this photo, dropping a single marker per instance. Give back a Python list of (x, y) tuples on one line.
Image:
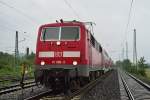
[(58, 54)]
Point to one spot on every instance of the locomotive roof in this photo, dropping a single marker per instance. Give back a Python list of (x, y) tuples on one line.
[(64, 23), (74, 22)]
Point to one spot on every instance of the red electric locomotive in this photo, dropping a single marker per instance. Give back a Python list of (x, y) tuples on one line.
[(68, 55)]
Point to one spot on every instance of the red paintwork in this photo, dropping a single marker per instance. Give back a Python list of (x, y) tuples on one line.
[(88, 54)]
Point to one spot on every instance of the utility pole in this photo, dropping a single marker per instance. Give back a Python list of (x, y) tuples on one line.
[(27, 51), (122, 53), (134, 49), (119, 55), (126, 50), (16, 49)]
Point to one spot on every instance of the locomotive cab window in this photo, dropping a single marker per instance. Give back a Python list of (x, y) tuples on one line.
[(69, 33), (60, 33), (51, 33)]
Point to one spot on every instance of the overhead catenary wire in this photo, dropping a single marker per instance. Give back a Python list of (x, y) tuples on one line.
[(10, 27), (129, 18), (70, 6), (124, 42), (128, 22), (5, 26), (13, 29), (77, 15), (20, 12)]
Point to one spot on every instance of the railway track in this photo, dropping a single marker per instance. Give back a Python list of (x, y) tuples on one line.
[(77, 95), (16, 87), (135, 88)]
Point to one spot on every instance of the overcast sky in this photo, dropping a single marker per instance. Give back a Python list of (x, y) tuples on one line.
[(110, 16)]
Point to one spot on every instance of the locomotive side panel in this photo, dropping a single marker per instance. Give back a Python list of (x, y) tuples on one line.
[(95, 53), (96, 58)]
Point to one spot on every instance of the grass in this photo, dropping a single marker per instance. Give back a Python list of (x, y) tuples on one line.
[(146, 78), (9, 75), (9, 71), (147, 71)]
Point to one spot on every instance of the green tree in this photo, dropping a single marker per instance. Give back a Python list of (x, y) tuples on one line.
[(127, 65), (6, 60), (142, 66), (118, 63)]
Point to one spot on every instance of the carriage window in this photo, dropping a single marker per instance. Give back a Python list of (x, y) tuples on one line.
[(51, 33), (96, 45), (92, 40), (100, 48), (69, 33), (106, 54)]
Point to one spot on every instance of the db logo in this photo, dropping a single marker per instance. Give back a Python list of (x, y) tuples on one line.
[(58, 54)]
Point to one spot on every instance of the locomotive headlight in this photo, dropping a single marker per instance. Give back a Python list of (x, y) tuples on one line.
[(58, 42), (26, 72), (75, 62), (42, 63)]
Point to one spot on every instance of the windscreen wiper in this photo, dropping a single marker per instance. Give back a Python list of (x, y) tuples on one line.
[(44, 35), (76, 37)]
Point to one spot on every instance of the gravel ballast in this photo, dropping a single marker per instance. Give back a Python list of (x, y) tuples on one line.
[(108, 89)]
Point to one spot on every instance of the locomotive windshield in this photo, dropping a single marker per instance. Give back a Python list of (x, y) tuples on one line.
[(60, 33), (51, 33), (69, 33)]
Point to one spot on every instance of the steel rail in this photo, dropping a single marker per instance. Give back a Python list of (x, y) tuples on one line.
[(42, 94), (88, 87), (84, 90), (17, 87), (78, 93), (127, 88), (140, 82)]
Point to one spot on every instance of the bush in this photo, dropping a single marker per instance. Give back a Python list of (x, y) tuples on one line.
[(142, 72), (8, 68), (128, 66)]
